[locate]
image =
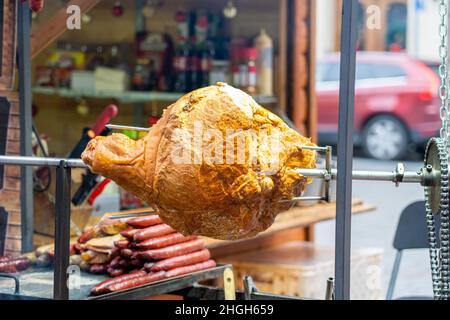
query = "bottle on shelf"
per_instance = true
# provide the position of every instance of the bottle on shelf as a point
(180, 66)
(264, 64)
(181, 56)
(250, 57)
(193, 65)
(205, 51)
(141, 76)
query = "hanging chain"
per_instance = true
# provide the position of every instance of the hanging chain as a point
(443, 72)
(444, 252)
(440, 254)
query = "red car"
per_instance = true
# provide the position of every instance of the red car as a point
(396, 103)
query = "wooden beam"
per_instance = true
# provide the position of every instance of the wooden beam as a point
(50, 30)
(282, 55)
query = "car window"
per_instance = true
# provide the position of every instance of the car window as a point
(329, 72)
(378, 70)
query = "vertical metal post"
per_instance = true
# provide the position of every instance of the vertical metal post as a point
(26, 189)
(62, 231)
(345, 149)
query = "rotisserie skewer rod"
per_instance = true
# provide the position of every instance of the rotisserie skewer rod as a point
(390, 176)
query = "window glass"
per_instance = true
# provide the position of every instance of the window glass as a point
(329, 72)
(378, 70)
(396, 27)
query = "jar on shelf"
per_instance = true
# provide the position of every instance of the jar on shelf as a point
(249, 70)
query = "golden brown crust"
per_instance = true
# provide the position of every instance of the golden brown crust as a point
(230, 195)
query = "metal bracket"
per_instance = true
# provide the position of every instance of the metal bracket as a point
(228, 284)
(399, 173)
(329, 294)
(16, 281)
(252, 293)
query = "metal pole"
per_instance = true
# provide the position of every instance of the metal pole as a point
(62, 232)
(26, 185)
(345, 150)
(40, 161)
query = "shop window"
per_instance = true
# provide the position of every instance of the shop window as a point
(4, 119)
(396, 27)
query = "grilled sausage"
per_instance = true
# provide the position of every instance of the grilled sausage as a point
(135, 282)
(137, 263)
(115, 272)
(152, 232)
(164, 241)
(114, 252)
(144, 222)
(148, 265)
(125, 263)
(8, 267)
(89, 234)
(14, 265)
(127, 253)
(5, 258)
(189, 269)
(181, 261)
(122, 244)
(98, 268)
(129, 233)
(171, 251)
(100, 288)
(114, 262)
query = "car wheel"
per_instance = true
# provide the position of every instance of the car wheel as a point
(385, 138)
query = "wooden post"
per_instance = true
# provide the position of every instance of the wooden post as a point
(302, 91)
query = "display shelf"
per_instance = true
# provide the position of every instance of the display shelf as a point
(123, 97)
(129, 96)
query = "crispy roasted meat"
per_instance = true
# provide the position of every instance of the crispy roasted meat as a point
(216, 164)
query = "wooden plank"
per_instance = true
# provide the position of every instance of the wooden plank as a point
(8, 48)
(14, 217)
(14, 232)
(300, 45)
(12, 183)
(312, 105)
(51, 29)
(14, 121)
(13, 147)
(13, 134)
(264, 241)
(294, 219)
(12, 171)
(10, 199)
(13, 245)
(282, 56)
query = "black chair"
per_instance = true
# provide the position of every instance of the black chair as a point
(411, 234)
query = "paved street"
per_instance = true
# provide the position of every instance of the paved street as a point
(376, 229)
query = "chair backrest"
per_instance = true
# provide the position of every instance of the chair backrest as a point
(412, 229)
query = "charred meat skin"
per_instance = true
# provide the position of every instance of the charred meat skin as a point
(228, 198)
